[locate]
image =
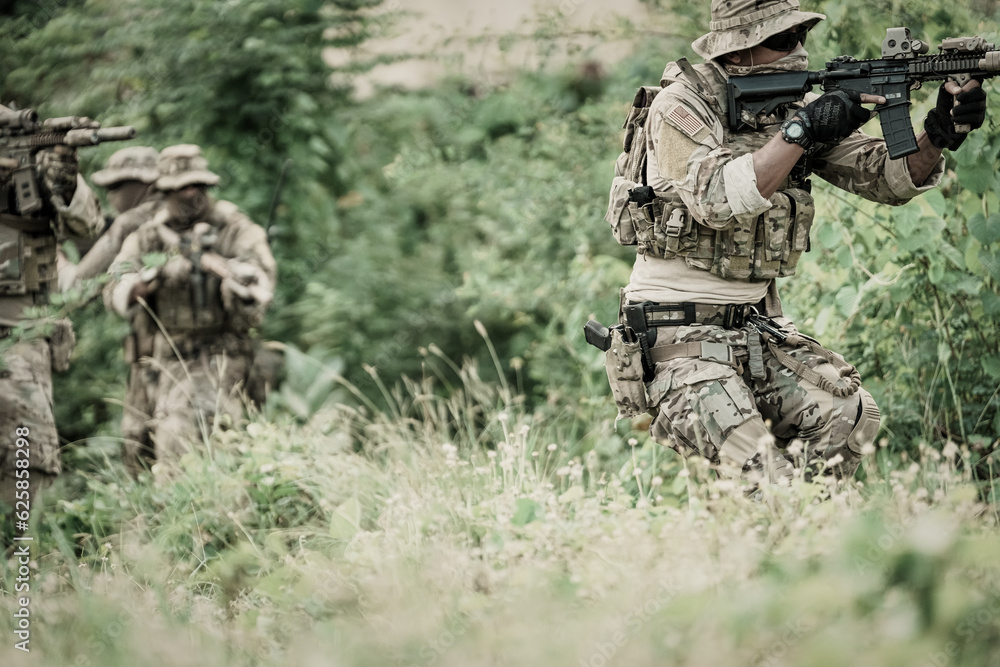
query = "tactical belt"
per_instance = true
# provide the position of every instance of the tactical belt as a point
(764, 328)
(729, 316)
(191, 346)
(708, 350)
(646, 316)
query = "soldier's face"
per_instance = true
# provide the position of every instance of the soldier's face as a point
(759, 55)
(124, 195)
(189, 203)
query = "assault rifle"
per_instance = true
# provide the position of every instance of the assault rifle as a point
(199, 248)
(22, 136)
(902, 68)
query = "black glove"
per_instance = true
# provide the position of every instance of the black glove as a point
(58, 169)
(941, 120)
(834, 116)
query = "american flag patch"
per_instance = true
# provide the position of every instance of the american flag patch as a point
(686, 121)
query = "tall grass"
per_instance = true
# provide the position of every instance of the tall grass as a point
(457, 528)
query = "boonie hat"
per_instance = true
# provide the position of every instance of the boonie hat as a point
(135, 163)
(183, 165)
(741, 24)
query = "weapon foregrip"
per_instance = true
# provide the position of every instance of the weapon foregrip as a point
(898, 130)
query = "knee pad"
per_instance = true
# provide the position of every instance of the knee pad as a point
(867, 423)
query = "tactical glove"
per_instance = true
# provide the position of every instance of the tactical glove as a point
(58, 169)
(246, 294)
(177, 270)
(941, 120)
(834, 116)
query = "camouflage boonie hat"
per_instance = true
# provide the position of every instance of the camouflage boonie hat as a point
(183, 165)
(135, 163)
(741, 24)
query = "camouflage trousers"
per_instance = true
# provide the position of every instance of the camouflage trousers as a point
(173, 405)
(26, 409)
(758, 426)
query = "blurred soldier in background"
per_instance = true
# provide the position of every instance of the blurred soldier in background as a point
(28, 243)
(129, 176)
(192, 316)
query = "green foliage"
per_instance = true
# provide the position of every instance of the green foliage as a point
(87, 398)
(465, 526)
(393, 507)
(483, 207)
(410, 215)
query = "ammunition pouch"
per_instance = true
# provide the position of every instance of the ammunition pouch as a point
(768, 247)
(27, 256)
(62, 341)
(191, 307)
(619, 214)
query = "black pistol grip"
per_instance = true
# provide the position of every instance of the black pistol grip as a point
(597, 335)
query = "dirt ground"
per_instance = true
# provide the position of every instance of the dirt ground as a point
(460, 36)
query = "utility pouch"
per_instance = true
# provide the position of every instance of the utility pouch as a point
(735, 249)
(623, 362)
(619, 215)
(62, 340)
(11, 261)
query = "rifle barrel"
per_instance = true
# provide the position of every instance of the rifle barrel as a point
(123, 133)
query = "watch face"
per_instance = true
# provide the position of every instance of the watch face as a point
(794, 130)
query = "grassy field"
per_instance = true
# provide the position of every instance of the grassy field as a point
(465, 531)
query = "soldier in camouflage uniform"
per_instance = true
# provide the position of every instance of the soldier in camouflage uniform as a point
(27, 276)
(191, 317)
(718, 215)
(129, 176)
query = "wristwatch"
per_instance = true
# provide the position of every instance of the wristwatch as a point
(794, 131)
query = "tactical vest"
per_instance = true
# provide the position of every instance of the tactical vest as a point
(193, 307)
(659, 224)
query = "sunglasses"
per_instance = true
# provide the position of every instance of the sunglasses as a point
(786, 41)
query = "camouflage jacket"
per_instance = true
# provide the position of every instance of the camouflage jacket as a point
(709, 211)
(229, 296)
(98, 259)
(28, 246)
(694, 154)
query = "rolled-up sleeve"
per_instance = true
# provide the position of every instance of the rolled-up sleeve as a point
(717, 188)
(122, 276)
(860, 164)
(744, 198)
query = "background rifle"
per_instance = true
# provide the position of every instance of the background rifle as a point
(22, 136)
(902, 68)
(199, 247)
